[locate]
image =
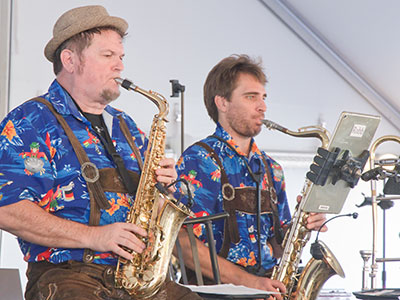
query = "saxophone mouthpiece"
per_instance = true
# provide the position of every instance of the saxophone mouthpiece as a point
(125, 83)
(118, 80)
(272, 125)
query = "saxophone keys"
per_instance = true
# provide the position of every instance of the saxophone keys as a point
(144, 218)
(147, 275)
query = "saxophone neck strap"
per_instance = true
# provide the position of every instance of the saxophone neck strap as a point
(106, 140)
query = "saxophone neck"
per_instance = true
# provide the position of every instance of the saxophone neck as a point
(155, 97)
(309, 131)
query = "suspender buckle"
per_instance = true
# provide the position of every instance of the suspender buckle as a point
(90, 172)
(272, 194)
(228, 192)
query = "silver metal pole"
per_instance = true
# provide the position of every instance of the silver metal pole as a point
(5, 58)
(365, 254)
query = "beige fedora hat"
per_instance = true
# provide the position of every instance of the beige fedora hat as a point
(78, 20)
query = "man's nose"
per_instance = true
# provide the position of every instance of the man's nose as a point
(119, 65)
(262, 105)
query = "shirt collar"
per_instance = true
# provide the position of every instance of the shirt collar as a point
(221, 132)
(64, 105)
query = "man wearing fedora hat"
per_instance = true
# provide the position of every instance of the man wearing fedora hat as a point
(65, 199)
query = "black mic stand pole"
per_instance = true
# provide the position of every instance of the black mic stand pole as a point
(385, 205)
(176, 89)
(384, 249)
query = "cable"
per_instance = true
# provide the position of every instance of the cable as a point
(164, 190)
(316, 247)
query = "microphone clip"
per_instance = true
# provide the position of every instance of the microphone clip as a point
(327, 163)
(349, 168)
(317, 250)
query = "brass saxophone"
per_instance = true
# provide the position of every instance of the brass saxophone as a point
(316, 272)
(144, 274)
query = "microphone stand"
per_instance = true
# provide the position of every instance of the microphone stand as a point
(384, 249)
(176, 89)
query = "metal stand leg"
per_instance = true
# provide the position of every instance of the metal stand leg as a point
(365, 254)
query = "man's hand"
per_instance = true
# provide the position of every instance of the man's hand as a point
(166, 174)
(264, 283)
(315, 220)
(114, 236)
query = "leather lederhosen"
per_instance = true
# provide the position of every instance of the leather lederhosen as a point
(98, 181)
(243, 200)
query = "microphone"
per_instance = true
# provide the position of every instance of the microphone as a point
(176, 87)
(372, 174)
(316, 247)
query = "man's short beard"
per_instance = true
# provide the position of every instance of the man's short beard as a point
(242, 127)
(109, 96)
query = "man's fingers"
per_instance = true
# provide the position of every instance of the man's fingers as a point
(315, 221)
(167, 163)
(131, 241)
(123, 253)
(166, 174)
(135, 229)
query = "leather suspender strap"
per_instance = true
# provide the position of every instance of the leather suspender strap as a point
(90, 173)
(224, 177)
(128, 136)
(278, 230)
(231, 231)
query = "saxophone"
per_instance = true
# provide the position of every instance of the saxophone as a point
(316, 272)
(145, 273)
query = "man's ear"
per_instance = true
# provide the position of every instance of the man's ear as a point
(221, 103)
(68, 60)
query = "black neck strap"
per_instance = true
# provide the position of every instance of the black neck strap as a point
(106, 140)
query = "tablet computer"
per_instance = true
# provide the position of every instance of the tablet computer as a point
(353, 132)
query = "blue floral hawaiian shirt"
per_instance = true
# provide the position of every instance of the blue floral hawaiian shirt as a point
(38, 163)
(204, 178)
